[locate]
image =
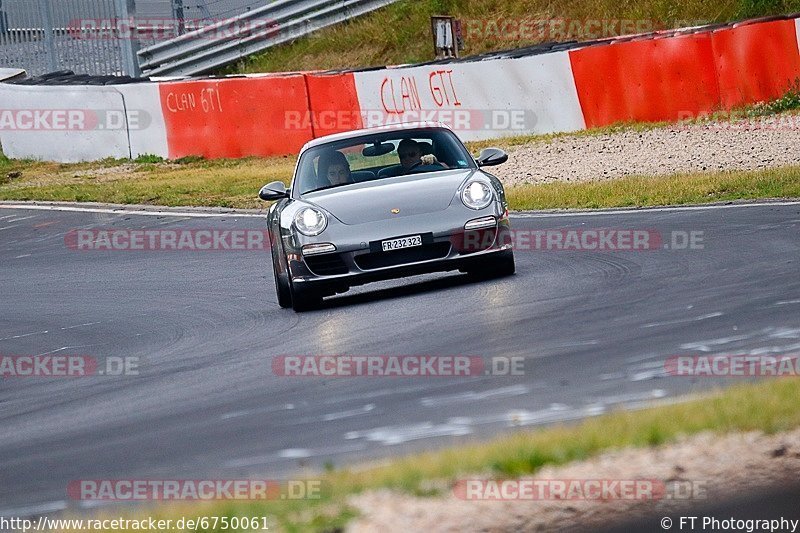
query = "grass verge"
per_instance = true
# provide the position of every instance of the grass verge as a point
(234, 183)
(638, 191)
(229, 183)
(366, 41)
(190, 182)
(769, 407)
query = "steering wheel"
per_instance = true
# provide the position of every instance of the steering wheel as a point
(422, 163)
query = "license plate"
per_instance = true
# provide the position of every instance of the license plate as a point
(403, 242)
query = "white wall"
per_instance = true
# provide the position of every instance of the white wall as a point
(147, 130)
(62, 123)
(480, 100)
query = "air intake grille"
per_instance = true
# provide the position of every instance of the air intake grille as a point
(326, 264)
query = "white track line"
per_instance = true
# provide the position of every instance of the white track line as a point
(522, 214)
(116, 211)
(647, 210)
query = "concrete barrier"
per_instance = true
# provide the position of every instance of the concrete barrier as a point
(234, 117)
(147, 130)
(63, 123)
(666, 75)
(481, 99)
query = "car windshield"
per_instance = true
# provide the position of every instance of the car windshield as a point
(380, 156)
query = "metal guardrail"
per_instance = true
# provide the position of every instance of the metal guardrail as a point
(226, 42)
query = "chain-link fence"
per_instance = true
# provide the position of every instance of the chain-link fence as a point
(99, 37)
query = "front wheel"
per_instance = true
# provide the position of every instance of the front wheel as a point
(497, 265)
(282, 287)
(284, 291)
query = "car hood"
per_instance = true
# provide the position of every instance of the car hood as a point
(416, 194)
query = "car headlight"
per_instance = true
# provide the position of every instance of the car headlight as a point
(477, 195)
(310, 221)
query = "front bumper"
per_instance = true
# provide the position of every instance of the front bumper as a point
(451, 249)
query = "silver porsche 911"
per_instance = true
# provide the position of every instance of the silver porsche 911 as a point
(384, 203)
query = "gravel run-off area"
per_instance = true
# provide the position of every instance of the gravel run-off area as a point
(750, 144)
(717, 468)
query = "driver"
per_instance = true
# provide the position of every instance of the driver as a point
(410, 153)
(334, 168)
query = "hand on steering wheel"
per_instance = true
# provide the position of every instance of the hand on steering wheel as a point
(426, 160)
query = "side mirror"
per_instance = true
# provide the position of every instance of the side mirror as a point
(274, 191)
(491, 156)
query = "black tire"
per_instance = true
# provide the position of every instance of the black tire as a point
(284, 291)
(496, 266)
(304, 299)
(282, 287)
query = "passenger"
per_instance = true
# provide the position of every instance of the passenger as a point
(334, 168)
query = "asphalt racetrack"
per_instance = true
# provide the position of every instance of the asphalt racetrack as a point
(595, 328)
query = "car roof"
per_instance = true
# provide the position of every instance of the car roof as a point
(403, 126)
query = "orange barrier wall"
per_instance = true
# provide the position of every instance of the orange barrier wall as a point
(672, 78)
(666, 77)
(646, 80)
(236, 117)
(756, 62)
(333, 102)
